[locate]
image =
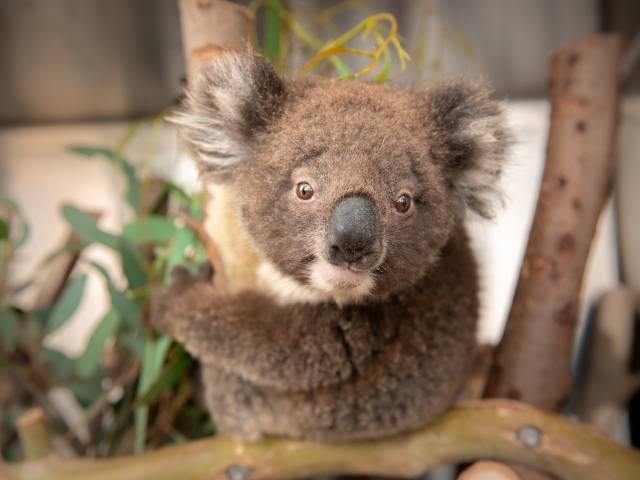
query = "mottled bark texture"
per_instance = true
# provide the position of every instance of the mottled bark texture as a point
(533, 359)
(499, 429)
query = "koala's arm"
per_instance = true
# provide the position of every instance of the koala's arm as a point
(250, 335)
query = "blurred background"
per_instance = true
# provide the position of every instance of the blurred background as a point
(82, 72)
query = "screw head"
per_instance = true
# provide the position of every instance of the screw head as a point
(529, 436)
(237, 472)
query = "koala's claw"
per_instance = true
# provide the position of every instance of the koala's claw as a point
(172, 305)
(205, 272)
(181, 275)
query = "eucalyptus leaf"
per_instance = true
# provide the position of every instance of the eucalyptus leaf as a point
(87, 228)
(89, 361)
(87, 390)
(4, 230)
(126, 307)
(59, 364)
(155, 352)
(25, 230)
(166, 379)
(33, 329)
(133, 184)
(67, 304)
(132, 265)
(9, 326)
(184, 241)
(150, 229)
(133, 343)
(272, 32)
(24, 235)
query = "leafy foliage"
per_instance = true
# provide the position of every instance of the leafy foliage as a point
(131, 384)
(383, 45)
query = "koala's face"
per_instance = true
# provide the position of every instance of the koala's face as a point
(348, 190)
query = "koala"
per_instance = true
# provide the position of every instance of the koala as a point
(341, 207)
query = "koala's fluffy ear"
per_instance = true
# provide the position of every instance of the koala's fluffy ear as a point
(469, 138)
(237, 95)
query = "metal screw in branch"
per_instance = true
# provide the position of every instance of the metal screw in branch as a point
(529, 436)
(237, 472)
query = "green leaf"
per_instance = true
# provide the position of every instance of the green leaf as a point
(24, 235)
(166, 379)
(87, 228)
(67, 303)
(184, 240)
(150, 229)
(127, 308)
(87, 390)
(155, 352)
(132, 265)
(133, 184)
(25, 230)
(4, 230)
(87, 364)
(272, 27)
(58, 363)
(9, 325)
(33, 329)
(133, 343)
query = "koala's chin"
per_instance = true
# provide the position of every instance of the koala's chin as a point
(326, 282)
(338, 209)
(343, 283)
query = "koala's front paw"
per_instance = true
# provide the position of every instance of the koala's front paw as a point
(171, 304)
(181, 276)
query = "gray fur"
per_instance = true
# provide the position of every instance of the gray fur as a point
(390, 356)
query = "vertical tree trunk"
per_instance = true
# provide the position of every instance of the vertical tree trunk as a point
(533, 359)
(209, 27)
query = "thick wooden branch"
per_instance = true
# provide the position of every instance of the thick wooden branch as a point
(496, 429)
(533, 359)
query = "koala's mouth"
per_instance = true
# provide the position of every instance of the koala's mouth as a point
(340, 278)
(343, 283)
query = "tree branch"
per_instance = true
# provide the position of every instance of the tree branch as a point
(497, 429)
(533, 359)
(208, 28)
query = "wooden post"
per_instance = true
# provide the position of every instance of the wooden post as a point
(533, 359)
(208, 28)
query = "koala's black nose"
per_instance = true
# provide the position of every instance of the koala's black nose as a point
(353, 230)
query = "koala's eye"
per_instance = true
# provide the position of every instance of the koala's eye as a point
(402, 203)
(304, 191)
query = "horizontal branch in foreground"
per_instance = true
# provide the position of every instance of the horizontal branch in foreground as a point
(498, 429)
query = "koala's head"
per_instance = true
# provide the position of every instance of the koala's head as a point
(349, 190)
